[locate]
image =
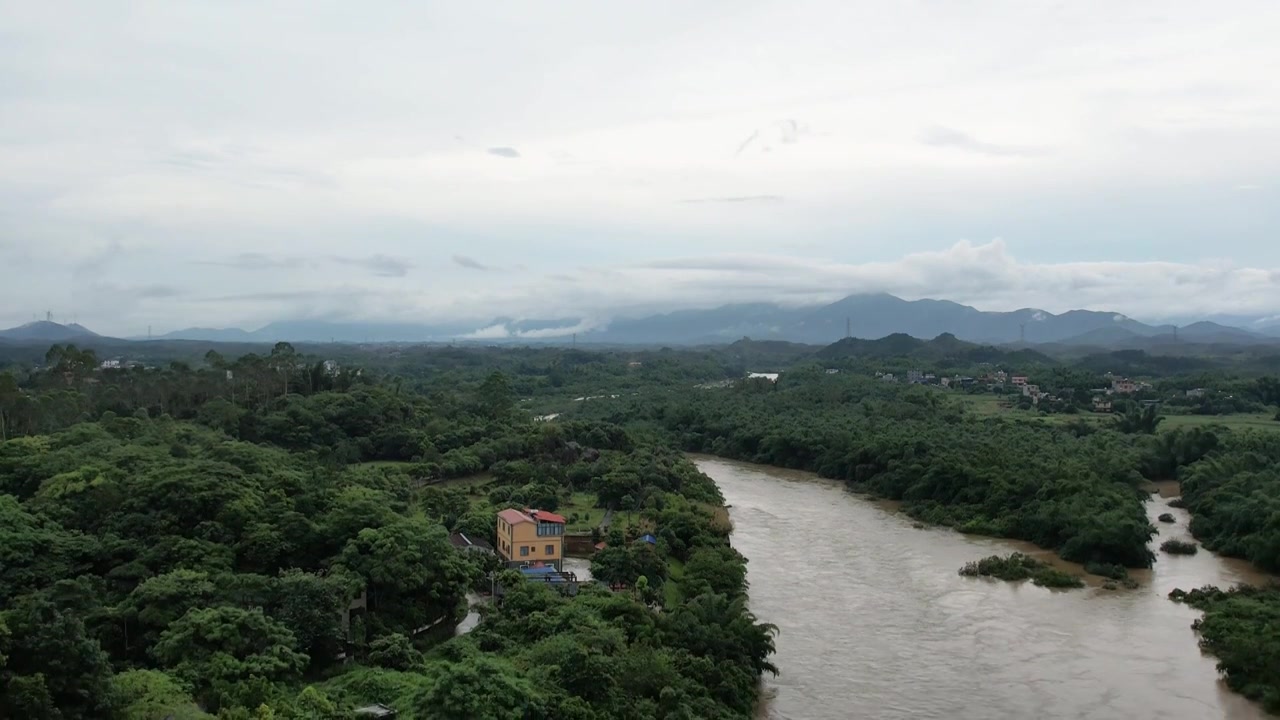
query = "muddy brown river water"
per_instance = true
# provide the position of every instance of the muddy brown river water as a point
(876, 623)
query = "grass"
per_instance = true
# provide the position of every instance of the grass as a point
(1238, 421)
(384, 464)
(991, 405)
(469, 481)
(671, 588)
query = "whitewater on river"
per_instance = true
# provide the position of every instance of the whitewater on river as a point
(874, 621)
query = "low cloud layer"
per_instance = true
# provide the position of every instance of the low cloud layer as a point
(986, 275)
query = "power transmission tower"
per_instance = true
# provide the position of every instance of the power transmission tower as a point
(848, 327)
(1022, 332)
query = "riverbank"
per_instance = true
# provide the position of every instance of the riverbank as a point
(875, 622)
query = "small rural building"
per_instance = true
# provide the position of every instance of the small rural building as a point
(470, 544)
(376, 710)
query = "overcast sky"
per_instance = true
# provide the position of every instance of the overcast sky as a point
(225, 163)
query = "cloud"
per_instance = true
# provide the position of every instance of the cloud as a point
(938, 136)
(145, 292)
(1248, 187)
(506, 152)
(735, 199)
(257, 261)
(380, 265)
(469, 263)
(501, 331)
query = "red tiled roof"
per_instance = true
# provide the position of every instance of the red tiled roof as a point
(514, 517)
(544, 516)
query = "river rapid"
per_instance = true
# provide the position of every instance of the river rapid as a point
(874, 621)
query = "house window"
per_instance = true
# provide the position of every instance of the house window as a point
(551, 549)
(524, 550)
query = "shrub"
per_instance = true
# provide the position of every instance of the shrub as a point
(394, 652)
(1179, 547)
(1107, 570)
(1019, 566)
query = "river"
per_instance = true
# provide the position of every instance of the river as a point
(874, 621)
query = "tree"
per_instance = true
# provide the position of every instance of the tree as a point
(283, 360)
(478, 688)
(1139, 420)
(496, 396)
(414, 575)
(720, 570)
(158, 602)
(10, 396)
(52, 669)
(311, 606)
(394, 652)
(213, 648)
(151, 694)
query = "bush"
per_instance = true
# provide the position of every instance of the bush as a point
(394, 652)
(1179, 547)
(1019, 566)
(1107, 570)
(1166, 518)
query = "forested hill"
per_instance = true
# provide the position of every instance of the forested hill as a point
(184, 543)
(944, 350)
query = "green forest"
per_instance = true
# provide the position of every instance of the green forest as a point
(190, 542)
(265, 533)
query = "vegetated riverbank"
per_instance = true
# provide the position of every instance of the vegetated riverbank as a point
(1078, 495)
(1241, 627)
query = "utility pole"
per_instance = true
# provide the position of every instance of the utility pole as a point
(848, 327)
(1022, 332)
(1175, 333)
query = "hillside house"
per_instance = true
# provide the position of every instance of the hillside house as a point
(1123, 386)
(1196, 393)
(915, 377)
(532, 538)
(1018, 380)
(1101, 404)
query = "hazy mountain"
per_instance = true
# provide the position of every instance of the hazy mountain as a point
(320, 331)
(47, 331)
(864, 316)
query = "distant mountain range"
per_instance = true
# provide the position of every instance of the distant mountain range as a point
(47, 331)
(859, 316)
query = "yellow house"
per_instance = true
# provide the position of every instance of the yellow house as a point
(533, 538)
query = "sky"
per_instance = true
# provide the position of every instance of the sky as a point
(229, 163)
